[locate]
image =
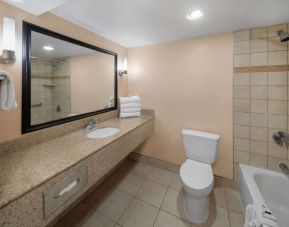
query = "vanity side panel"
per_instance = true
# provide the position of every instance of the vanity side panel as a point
(28, 209)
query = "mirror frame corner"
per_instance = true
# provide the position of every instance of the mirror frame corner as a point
(27, 29)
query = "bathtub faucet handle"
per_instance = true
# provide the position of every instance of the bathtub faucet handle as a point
(283, 167)
(281, 138)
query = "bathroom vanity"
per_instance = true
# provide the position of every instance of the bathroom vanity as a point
(44, 173)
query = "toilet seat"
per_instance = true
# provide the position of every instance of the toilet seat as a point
(197, 176)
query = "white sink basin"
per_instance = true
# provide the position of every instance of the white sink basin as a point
(102, 133)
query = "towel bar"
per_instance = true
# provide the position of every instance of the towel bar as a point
(36, 105)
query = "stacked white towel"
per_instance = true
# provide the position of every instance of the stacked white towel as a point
(130, 106)
(254, 217)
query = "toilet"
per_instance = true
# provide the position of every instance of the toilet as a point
(201, 149)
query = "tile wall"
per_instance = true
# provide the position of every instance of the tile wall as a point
(260, 96)
(50, 86)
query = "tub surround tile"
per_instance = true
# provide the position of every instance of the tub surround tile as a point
(258, 78)
(242, 47)
(258, 133)
(258, 33)
(241, 131)
(242, 35)
(259, 45)
(278, 58)
(272, 30)
(258, 147)
(242, 60)
(242, 157)
(241, 79)
(258, 92)
(267, 101)
(258, 106)
(277, 151)
(242, 105)
(241, 92)
(259, 59)
(274, 44)
(241, 118)
(258, 160)
(277, 78)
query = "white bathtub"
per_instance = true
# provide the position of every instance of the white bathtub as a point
(265, 187)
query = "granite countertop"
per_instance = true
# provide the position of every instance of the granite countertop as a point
(24, 170)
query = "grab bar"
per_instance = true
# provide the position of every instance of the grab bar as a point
(36, 105)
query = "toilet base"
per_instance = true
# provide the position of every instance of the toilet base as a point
(196, 209)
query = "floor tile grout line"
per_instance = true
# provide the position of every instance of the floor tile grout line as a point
(162, 203)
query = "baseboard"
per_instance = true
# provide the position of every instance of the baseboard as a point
(155, 162)
(219, 181)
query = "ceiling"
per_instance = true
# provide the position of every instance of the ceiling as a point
(36, 7)
(134, 23)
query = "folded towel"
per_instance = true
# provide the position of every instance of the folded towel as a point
(131, 99)
(255, 217)
(129, 105)
(250, 216)
(134, 114)
(7, 92)
(129, 110)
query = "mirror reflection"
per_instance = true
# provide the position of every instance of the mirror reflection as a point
(68, 79)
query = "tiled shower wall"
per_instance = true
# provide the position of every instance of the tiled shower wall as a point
(50, 86)
(260, 96)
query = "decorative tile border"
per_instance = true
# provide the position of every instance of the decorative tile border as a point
(269, 68)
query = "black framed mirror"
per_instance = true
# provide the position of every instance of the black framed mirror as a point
(64, 79)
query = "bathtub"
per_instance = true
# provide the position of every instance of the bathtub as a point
(267, 188)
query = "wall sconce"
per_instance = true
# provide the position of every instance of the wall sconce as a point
(8, 45)
(123, 71)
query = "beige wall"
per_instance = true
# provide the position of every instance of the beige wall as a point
(189, 85)
(10, 121)
(92, 82)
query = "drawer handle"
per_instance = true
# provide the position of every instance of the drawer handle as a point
(67, 189)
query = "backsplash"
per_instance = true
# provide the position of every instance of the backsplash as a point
(260, 96)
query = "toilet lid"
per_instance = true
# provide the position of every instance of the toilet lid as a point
(196, 175)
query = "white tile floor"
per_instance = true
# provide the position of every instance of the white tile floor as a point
(140, 195)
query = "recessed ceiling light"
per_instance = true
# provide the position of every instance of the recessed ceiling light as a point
(196, 14)
(48, 48)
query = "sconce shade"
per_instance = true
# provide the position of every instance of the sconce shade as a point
(8, 34)
(124, 67)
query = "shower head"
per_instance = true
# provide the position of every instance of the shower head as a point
(284, 37)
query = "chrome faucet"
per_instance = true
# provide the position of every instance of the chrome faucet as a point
(91, 125)
(283, 167)
(281, 138)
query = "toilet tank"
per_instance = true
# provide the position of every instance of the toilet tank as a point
(201, 146)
